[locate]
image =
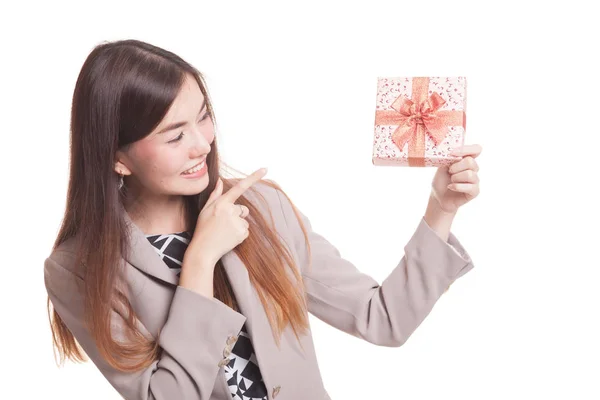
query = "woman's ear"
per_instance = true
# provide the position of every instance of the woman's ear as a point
(121, 169)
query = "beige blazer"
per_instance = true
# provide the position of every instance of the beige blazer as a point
(198, 332)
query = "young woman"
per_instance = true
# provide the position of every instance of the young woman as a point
(179, 284)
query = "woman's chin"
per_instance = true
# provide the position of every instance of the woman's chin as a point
(194, 186)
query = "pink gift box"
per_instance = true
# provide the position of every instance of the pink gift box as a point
(419, 120)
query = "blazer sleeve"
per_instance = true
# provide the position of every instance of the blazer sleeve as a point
(193, 339)
(354, 302)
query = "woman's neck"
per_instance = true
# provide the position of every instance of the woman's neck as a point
(160, 217)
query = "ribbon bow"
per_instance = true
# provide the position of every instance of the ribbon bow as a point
(416, 117)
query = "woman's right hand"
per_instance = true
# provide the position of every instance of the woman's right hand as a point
(221, 225)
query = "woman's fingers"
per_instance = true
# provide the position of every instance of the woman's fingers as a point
(241, 210)
(467, 176)
(472, 150)
(218, 190)
(468, 188)
(467, 162)
(244, 184)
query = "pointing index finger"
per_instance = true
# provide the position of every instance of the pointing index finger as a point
(239, 188)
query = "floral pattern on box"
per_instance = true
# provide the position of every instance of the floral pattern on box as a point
(419, 120)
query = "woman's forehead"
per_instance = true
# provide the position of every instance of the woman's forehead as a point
(185, 108)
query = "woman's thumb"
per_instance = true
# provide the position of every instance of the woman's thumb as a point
(216, 192)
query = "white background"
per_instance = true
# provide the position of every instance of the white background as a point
(293, 85)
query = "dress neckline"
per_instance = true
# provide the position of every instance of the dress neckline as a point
(167, 234)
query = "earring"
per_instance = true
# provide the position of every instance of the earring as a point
(120, 181)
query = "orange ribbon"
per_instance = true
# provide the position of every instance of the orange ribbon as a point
(416, 117)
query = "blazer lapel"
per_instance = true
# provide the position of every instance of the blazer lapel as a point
(144, 257)
(257, 323)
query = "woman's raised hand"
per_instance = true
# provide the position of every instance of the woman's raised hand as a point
(221, 224)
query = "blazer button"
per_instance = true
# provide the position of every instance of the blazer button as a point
(276, 391)
(227, 351)
(224, 362)
(231, 340)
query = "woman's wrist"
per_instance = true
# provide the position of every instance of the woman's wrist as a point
(198, 276)
(438, 220)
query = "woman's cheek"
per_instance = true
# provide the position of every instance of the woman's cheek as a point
(176, 161)
(210, 134)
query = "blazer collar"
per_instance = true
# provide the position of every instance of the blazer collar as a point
(144, 257)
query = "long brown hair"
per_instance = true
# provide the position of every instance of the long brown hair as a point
(123, 91)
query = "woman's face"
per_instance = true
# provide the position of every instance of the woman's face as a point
(154, 165)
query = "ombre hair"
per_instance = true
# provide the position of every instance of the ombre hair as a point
(123, 91)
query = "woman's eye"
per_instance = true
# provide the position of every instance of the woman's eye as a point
(178, 138)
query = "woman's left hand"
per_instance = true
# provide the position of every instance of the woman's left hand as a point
(456, 185)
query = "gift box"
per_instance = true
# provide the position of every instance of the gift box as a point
(419, 120)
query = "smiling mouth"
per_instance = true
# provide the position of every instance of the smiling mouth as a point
(195, 168)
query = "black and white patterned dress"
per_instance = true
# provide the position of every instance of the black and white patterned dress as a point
(242, 373)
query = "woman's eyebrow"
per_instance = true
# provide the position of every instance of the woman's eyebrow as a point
(180, 124)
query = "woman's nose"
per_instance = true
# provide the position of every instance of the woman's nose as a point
(201, 144)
